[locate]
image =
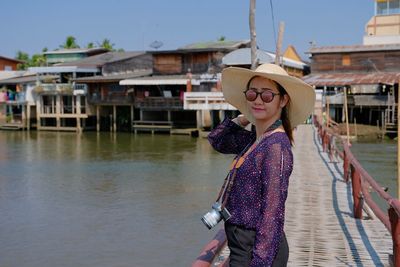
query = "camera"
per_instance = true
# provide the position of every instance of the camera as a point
(215, 215)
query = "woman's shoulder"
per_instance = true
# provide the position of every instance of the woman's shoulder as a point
(275, 139)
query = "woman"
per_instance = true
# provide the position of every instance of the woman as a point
(274, 103)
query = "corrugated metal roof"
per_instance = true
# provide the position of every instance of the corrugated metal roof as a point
(114, 78)
(344, 79)
(102, 59)
(12, 59)
(353, 48)
(206, 47)
(27, 79)
(160, 80)
(76, 50)
(242, 56)
(215, 45)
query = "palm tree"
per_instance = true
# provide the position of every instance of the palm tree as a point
(90, 45)
(107, 44)
(70, 42)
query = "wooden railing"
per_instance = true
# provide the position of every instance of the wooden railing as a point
(362, 183)
(211, 250)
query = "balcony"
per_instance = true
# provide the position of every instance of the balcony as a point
(111, 98)
(206, 101)
(159, 103)
(61, 88)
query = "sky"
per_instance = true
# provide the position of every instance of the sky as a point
(132, 25)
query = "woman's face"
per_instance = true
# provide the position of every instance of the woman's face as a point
(261, 110)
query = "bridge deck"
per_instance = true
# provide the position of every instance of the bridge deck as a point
(319, 225)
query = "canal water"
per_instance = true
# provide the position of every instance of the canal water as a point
(119, 199)
(105, 199)
(379, 159)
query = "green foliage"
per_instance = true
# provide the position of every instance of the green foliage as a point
(221, 38)
(23, 57)
(37, 60)
(70, 43)
(106, 43)
(90, 45)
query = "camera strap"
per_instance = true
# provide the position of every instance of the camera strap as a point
(238, 161)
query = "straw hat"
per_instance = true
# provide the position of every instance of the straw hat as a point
(302, 95)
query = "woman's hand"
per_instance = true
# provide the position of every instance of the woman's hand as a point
(242, 120)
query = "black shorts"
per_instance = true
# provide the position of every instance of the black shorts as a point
(241, 242)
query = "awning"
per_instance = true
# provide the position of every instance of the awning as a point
(347, 79)
(157, 82)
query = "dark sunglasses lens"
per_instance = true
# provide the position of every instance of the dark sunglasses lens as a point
(251, 95)
(267, 96)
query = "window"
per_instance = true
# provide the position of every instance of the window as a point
(381, 7)
(394, 7)
(387, 7)
(346, 61)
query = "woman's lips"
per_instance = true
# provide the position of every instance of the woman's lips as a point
(256, 109)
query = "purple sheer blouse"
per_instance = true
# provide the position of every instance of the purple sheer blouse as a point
(258, 195)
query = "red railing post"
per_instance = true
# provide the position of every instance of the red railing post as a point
(345, 166)
(357, 197)
(330, 148)
(395, 227)
(324, 134)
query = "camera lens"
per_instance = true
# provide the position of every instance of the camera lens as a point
(211, 219)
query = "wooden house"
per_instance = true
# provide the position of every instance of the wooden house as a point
(18, 100)
(192, 68)
(112, 104)
(369, 73)
(9, 64)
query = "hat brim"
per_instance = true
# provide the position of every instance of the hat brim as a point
(302, 95)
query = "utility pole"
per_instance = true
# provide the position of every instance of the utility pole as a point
(253, 42)
(398, 138)
(279, 44)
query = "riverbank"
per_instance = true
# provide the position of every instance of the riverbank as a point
(360, 130)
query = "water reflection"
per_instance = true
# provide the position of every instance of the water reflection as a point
(100, 199)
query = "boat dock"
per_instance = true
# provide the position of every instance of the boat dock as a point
(321, 219)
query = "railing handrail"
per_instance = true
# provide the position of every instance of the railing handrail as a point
(360, 181)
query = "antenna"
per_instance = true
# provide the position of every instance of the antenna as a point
(156, 44)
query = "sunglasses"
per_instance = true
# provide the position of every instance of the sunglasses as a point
(266, 96)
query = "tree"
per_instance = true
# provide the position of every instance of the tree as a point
(23, 57)
(90, 45)
(37, 60)
(107, 44)
(70, 42)
(221, 38)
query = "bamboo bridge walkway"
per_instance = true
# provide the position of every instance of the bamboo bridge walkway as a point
(320, 224)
